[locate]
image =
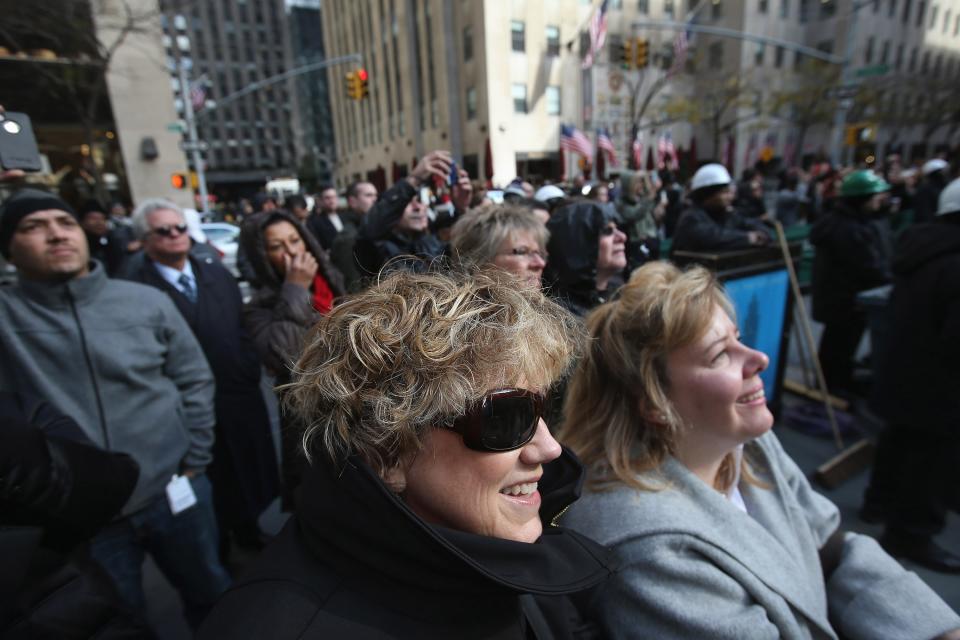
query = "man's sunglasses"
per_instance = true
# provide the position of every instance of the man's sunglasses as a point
(167, 230)
(503, 420)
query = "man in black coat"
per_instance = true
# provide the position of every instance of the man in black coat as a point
(915, 476)
(244, 471)
(325, 223)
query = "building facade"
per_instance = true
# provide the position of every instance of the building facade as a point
(226, 47)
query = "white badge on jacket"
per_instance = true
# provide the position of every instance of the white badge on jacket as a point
(180, 494)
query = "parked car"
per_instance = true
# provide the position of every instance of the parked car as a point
(225, 238)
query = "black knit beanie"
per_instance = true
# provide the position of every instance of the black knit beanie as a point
(21, 204)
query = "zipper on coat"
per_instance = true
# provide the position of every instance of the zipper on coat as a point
(93, 375)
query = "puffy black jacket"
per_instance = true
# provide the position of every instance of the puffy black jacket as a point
(356, 563)
(918, 380)
(851, 257)
(57, 490)
(700, 230)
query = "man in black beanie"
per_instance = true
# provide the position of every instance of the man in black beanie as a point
(119, 359)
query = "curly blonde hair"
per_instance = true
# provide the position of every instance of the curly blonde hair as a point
(413, 352)
(617, 415)
(476, 237)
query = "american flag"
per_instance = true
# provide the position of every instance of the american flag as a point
(198, 93)
(572, 139)
(681, 44)
(667, 151)
(751, 150)
(637, 148)
(604, 143)
(598, 34)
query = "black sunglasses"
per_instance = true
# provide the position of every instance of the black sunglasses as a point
(503, 420)
(167, 230)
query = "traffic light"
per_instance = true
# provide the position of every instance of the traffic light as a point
(640, 53)
(626, 54)
(351, 83)
(363, 89)
(178, 181)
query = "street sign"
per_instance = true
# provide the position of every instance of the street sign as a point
(189, 147)
(176, 127)
(843, 92)
(872, 70)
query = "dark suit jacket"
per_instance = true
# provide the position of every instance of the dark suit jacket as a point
(322, 229)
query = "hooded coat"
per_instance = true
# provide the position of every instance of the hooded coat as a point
(279, 314)
(356, 562)
(571, 273)
(919, 379)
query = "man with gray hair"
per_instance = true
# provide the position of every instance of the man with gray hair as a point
(117, 358)
(244, 470)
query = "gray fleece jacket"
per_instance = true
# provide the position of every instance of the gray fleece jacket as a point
(118, 358)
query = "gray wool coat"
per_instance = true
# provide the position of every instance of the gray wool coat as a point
(695, 566)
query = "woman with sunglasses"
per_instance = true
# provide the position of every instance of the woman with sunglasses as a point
(430, 504)
(718, 533)
(506, 237)
(296, 284)
(588, 255)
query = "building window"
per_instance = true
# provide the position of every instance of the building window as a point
(956, 25)
(925, 64)
(715, 54)
(763, 5)
(804, 10)
(716, 9)
(868, 55)
(553, 41)
(906, 11)
(933, 16)
(553, 101)
(885, 52)
(946, 21)
(899, 61)
(471, 103)
(825, 46)
(668, 9)
(828, 8)
(758, 55)
(892, 8)
(467, 43)
(643, 6)
(517, 40)
(519, 92)
(921, 8)
(614, 46)
(798, 60)
(784, 8)
(912, 65)
(778, 57)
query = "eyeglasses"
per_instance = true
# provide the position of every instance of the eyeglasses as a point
(525, 252)
(167, 230)
(503, 420)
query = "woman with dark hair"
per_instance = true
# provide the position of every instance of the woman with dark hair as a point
(718, 533)
(297, 284)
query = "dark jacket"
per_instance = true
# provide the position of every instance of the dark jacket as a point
(379, 242)
(56, 490)
(279, 315)
(342, 249)
(108, 249)
(927, 197)
(850, 258)
(322, 229)
(244, 469)
(919, 380)
(700, 230)
(356, 563)
(571, 272)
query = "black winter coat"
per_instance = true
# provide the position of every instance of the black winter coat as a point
(918, 380)
(379, 242)
(356, 563)
(56, 491)
(700, 230)
(851, 257)
(571, 272)
(244, 470)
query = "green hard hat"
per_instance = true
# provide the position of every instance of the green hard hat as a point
(863, 183)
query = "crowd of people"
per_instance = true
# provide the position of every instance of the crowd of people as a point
(453, 373)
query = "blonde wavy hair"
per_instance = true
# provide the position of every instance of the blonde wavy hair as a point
(617, 414)
(413, 352)
(476, 237)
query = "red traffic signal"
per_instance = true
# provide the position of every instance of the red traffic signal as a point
(362, 74)
(178, 181)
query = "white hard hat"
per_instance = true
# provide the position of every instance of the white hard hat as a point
(949, 199)
(710, 175)
(548, 192)
(937, 164)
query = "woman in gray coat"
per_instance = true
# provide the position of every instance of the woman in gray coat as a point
(718, 533)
